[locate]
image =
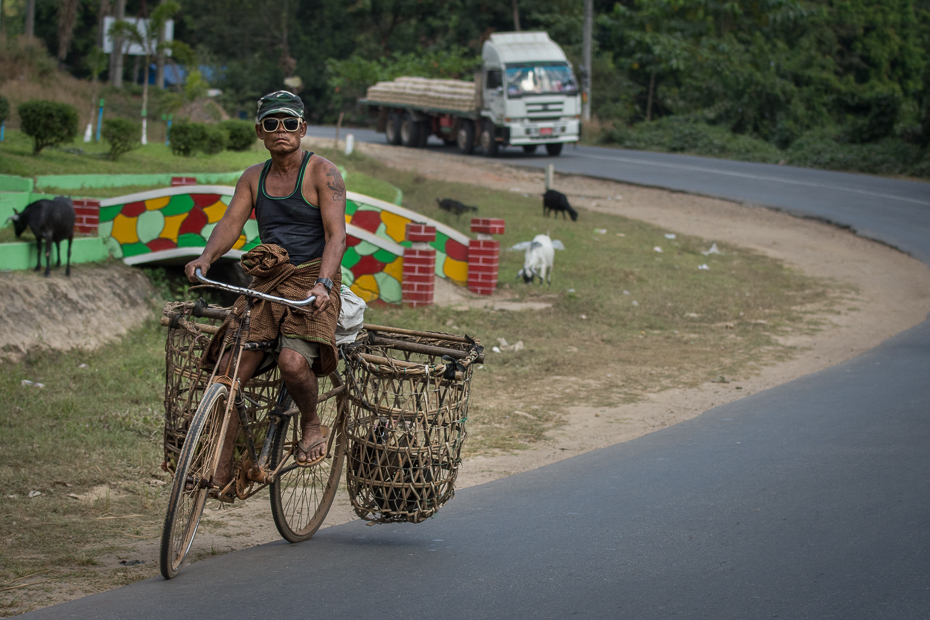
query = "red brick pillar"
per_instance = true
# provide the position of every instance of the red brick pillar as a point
(484, 255)
(87, 217)
(419, 276)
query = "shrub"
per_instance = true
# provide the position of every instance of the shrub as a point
(241, 134)
(679, 134)
(48, 123)
(214, 141)
(187, 138)
(820, 149)
(123, 136)
(4, 109)
(872, 116)
(190, 138)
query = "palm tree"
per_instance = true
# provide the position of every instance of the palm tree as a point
(148, 37)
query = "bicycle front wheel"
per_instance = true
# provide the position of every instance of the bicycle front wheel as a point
(196, 468)
(301, 496)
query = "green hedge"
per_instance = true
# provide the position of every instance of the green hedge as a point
(215, 140)
(188, 139)
(241, 134)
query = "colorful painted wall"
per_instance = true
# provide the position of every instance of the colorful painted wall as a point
(175, 223)
(389, 222)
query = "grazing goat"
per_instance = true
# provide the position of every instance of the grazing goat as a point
(454, 206)
(52, 220)
(537, 258)
(557, 202)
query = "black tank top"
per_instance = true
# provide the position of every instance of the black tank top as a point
(290, 221)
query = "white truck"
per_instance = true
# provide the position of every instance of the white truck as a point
(525, 95)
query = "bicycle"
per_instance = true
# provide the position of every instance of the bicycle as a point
(401, 440)
(265, 444)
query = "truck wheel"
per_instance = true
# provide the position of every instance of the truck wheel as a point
(554, 149)
(409, 132)
(424, 129)
(488, 143)
(392, 129)
(529, 149)
(465, 137)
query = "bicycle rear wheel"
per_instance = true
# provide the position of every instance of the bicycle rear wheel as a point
(301, 496)
(196, 468)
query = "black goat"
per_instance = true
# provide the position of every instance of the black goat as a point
(52, 220)
(454, 206)
(557, 202)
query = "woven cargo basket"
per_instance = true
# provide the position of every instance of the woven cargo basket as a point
(187, 373)
(408, 403)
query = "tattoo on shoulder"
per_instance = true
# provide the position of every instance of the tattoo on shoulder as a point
(335, 184)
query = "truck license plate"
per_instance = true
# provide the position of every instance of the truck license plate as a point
(545, 131)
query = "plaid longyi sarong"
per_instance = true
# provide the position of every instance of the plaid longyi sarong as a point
(272, 273)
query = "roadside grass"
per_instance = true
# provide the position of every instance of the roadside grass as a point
(79, 465)
(94, 431)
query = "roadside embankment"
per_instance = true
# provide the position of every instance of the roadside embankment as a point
(97, 304)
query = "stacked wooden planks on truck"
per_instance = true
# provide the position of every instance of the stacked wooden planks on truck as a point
(452, 95)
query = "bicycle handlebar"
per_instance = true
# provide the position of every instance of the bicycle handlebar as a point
(247, 291)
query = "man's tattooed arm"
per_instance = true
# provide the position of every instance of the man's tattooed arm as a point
(335, 185)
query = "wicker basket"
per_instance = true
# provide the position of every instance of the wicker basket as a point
(187, 373)
(408, 403)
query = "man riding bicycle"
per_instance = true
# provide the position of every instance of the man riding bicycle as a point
(299, 201)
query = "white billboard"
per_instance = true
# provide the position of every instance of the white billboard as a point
(134, 49)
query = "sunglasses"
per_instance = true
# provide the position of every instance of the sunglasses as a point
(290, 124)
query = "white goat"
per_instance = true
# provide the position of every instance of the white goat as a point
(537, 258)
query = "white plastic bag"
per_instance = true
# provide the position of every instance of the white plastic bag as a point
(351, 316)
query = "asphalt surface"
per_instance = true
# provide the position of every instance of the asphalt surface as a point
(894, 212)
(809, 500)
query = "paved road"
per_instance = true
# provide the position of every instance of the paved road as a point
(875, 207)
(810, 500)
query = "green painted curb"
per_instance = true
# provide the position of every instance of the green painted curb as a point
(18, 201)
(22, 255)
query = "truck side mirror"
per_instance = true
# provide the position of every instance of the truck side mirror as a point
(494, 79)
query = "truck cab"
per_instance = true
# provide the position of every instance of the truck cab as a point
(529, 94)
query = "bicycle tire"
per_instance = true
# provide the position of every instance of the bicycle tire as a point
(185, 506)
(302, 496)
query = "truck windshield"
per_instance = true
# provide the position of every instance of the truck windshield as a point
(540, 79)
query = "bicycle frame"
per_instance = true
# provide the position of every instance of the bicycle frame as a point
(236, 400)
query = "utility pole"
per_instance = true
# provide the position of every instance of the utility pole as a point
(586, 43)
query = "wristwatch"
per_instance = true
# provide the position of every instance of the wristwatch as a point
(327, 284)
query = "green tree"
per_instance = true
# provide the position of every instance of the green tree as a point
(48, 123)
